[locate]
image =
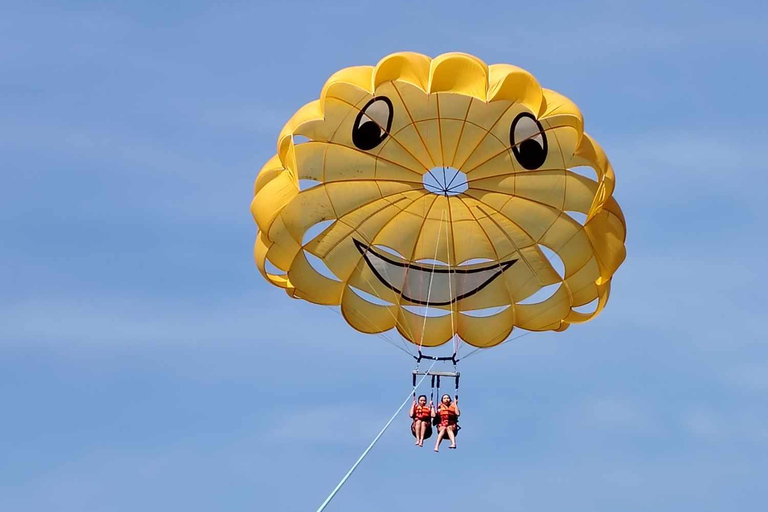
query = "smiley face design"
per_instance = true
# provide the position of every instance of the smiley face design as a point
(440, 197)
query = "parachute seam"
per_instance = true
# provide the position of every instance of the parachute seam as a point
(413, 123)
(461, 132)
(375, 156)
(487, 132)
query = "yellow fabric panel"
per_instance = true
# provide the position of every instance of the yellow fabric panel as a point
(311, 112)
(409, 101)
(453, 106)
(486, 331)
(284, 245)
(602, 292)
(607, 232)
(408, 67)
(489, 148)
(591, 154)
(539, 266)
(363, 278)
(451, 131)
(344, 256)
(470, 241)
(376, 136)
(432, 136)
(307, 209)
(495, 294)
(579, 193)
(487, 115)
(555, 104)
(402, 234)
(567, 238)
(532, 217)
(472, 136)
(271, 169)
(272, 198)
(334, 112)
(353, 222)
(434, 241)
(583, 283)
(310, 285)
(365, 316)
(515, 84)
(415, 107)
(523, 280)
(260, 249)
(461, 73)
(310, 160)
(544, 315)
(426, 331)
(348, 84)
(347, 196)
(408, 154)
(328, 162)
(564, 138)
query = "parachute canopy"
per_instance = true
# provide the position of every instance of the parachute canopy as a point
(440, 197)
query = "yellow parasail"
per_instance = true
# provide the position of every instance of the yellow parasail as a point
(433, 196)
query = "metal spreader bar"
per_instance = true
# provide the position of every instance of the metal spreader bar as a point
(439, 374)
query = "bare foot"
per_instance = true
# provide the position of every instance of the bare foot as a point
(452, 446)
(436, 449)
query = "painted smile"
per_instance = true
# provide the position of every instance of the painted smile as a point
(431, 285)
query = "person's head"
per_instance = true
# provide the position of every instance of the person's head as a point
(422, 399)
(446, 399)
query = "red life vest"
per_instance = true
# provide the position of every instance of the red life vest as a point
(448, 415)
(422, 413)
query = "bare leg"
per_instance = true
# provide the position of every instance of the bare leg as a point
(440, 437)
(451, 436)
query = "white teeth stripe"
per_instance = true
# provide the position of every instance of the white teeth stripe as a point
(447, 284)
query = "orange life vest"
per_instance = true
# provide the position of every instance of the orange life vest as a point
(422, 413)
(448, 415)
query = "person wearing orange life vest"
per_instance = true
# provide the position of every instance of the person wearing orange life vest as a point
(449, 417)
(421, 414)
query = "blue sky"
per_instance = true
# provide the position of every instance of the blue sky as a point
(144, 363)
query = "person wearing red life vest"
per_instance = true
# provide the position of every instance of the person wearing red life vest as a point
(449, 413)
(422, 415)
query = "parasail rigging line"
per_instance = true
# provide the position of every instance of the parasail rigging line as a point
(431, 276)
(379, 334)
(370, 446)
(478, 349)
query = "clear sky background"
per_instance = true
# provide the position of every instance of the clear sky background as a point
(145, 364)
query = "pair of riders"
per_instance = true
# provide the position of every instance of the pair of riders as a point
(445, 416)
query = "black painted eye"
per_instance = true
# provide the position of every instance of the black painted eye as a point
(528, 140)
(372, 123)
